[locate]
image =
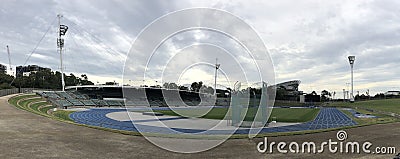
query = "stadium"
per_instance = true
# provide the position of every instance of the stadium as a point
(96, 103)
(173, 101)
(242, 110)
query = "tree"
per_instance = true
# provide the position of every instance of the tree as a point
(380, 96)
(183, 88)
(84, 76)
(173, 86)
(325, 95)
(196, 86)
(165, 85)
(110, 83)
(5, 81)
(48, 80)
(210, 90)
(170, 85)
(5, 86)
(193, 86)
(199, 86)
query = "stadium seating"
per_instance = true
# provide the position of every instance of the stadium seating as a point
(100, 103)
(76, 102)
(114, 103)
(64, 95)
(154, 97)
(51, 95)
(88, 102)
(62, 103)
(70, 98)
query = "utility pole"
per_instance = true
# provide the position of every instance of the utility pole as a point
(60, 44)
(216, 73)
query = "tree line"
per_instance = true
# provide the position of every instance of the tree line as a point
(45, 79)
(194, 87)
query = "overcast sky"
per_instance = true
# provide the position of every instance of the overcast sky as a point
(307, 40)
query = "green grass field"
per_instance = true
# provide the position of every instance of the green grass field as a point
(278, 114)
(40, 108)
(382, 118)
(386, 105)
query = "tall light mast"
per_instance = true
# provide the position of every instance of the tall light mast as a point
(60, 44)
(351, 61)
(9, 61)
(215, 77)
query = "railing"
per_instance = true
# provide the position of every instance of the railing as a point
(4, 92)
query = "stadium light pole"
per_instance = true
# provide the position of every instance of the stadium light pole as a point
(351, 61)
(215, 77)
(60, 44)
(347, 90)
(344, 95)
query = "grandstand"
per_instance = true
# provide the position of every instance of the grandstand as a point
(72, 98)
(112, 96)
(291, 90)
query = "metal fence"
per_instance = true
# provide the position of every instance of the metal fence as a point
(4, 92)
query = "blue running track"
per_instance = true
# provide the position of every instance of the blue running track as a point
(326, 118)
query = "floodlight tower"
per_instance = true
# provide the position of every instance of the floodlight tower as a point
(60, 44)
(9, 61)
(215, 77)
(351, 61)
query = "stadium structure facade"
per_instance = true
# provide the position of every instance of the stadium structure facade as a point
(392, 93)
(290, 90)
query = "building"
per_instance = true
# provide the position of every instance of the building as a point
(392, 93)
(289, 90)
(27, 70)
(3, 69)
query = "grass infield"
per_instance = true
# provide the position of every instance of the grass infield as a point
(278, 114)
(386, 105)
